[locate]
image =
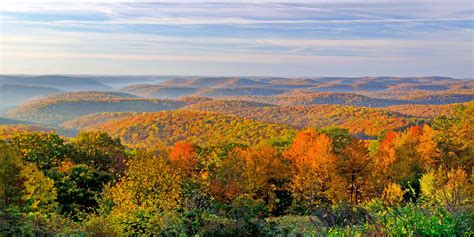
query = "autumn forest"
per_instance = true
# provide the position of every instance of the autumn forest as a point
(240, 157)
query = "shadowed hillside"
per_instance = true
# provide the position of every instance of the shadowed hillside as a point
(57, 109)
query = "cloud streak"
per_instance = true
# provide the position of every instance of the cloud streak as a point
(240, 32)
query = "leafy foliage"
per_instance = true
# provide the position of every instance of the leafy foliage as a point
(209, 174)
(362, 120)
(196, 127)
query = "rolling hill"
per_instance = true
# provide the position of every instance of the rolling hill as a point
(311, 98)
(214, 82)
(91, 120)
(160, 91)
(174, 92)
(359, 120)
(239, 91)
(9, 130)
(168, 127)
(423, 111)
(60, 108)
(5, 121)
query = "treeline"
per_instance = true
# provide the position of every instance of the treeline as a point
(359, 120)
(322, 182)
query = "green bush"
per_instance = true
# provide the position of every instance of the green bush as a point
(292, 226)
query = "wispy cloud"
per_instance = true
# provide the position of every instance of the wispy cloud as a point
(238, 32)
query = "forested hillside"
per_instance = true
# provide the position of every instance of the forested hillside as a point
(235, 156)
(358, 120)
(194, 173)
(57, 109)
(310, 98)
(159, 91)
(240, 118)
(168, 127)
(90, 120)
(423, 111)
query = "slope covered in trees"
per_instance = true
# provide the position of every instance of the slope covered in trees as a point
(218, 82)
(173, 92)
(239, 91)
(422, 111)
(358, 120)
(90, 120)
(374, 100)
(308, 98)
(160, 91)
(9, 130)
(168, 127)
(412, 182)
(57, 109)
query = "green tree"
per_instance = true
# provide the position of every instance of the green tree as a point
(99, 150)
(454, 137)
(10, 167)
(79, 187)
(45, 150)
(340, 138)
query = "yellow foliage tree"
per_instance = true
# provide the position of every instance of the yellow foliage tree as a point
(146, 195)
(39, 193)
(393, 194)
(427, 146)
(452, 188)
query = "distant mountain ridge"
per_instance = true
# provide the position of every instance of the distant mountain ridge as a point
(242, 86)
(59, 108)
(66, 83)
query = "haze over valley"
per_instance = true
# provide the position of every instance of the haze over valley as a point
(54, 100)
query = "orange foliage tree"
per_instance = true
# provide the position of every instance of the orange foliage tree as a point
(355, 167)
(254, 171)
(314, 169)
(183, 156)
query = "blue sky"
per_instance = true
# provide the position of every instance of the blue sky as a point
(253, 38)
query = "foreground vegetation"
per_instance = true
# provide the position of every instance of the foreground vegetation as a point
(317, 182)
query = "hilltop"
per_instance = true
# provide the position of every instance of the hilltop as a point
(60, 108)
(214, 82)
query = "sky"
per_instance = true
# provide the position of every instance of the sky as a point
(238, 38)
